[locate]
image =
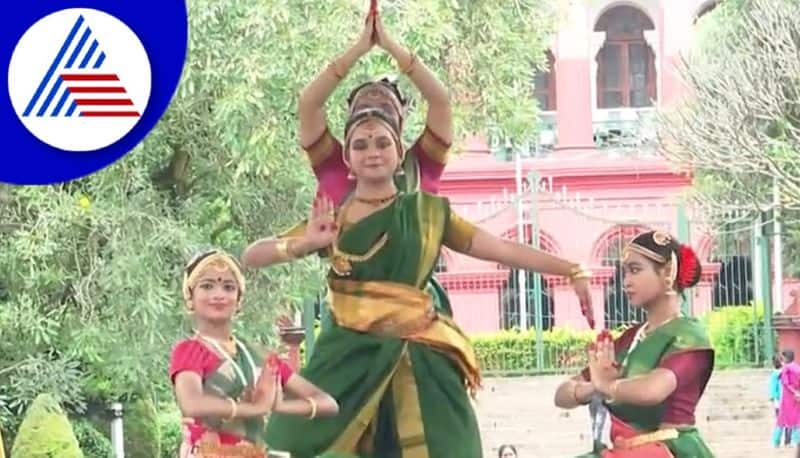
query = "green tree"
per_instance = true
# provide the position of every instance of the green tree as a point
(90, 270)
(142, 435)
(738, 131)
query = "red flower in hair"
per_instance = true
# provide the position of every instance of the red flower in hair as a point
(688, 267)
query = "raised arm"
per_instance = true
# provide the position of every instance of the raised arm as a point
(311, 105)
(466, 238)
(440, 112)
(304, 239)
(516, 255)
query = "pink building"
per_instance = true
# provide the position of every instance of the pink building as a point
(601, 181)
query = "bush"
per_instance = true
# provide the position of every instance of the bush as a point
(169, 424)
(93, 442)
(509, 352)
(737, 334)
(45, 432)
(142, 437)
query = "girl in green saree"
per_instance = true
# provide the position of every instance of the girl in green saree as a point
(398, 365)
(653, 375)
(226, 387)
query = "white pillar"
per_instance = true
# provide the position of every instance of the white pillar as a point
(777, 249)
(117, 440)
(521, 274)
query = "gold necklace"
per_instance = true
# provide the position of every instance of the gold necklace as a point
(646, 329)
(376, 202)
(228, 345)
(341, 262)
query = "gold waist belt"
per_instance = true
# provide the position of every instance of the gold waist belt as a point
(636, 441)
(399, 310)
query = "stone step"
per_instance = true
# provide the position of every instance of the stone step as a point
(734, 417)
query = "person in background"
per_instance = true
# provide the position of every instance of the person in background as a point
(507, 451)
(775, 399)
(789, 408)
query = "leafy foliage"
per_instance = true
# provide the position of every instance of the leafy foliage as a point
(93, 443)
(738, 131)
(45, 432)
(142, 434)
(90, 270)
(736, 333)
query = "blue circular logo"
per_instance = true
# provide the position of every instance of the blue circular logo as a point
(86, 83)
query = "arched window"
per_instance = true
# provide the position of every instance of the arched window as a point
(544, 85)
(732, 250)
(626, 72)
(510, 292)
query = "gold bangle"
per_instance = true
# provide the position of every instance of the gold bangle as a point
(313, 403)
(612, 391)
(335, 67)
(283, 249)
(578, 271)
(234, 409)
(411, 64)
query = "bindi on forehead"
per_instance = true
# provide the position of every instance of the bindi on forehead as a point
(370, 129)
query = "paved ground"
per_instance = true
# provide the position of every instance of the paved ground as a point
(734, 417)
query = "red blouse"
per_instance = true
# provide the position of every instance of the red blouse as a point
(327, 161)
(194, 356)
(692, 369)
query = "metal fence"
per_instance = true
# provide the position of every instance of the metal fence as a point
(526, 323)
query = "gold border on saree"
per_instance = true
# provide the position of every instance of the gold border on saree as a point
(212, 450)
(647, 438)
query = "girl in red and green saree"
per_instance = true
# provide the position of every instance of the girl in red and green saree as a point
(424, 164)
(226, 387)
(399, 366)
(653, 375)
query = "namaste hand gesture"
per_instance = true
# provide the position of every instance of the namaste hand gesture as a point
(382, 37)
(268, 386)
(321, 230)
(603, 367)
(367, 39)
